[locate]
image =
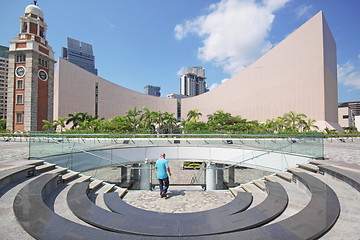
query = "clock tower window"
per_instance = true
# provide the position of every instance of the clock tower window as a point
(21, 58)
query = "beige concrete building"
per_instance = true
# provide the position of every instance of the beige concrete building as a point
(299, 74)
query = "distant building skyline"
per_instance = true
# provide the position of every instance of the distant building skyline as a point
(81, 54)
(152, 90)
(192, 83)
(4, 72)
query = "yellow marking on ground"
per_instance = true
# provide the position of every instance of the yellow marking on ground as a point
(269, 179)
(233, 192)
(245, 188)
(110, 187)
(120, 194)
(85, 179)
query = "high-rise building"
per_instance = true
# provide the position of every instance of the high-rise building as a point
(192, 83)
(152, 90)
(4, 72)
(31, 74)
(80, 54)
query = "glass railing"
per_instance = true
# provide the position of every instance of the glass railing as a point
(127, 160)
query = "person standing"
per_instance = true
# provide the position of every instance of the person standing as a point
(162, 167)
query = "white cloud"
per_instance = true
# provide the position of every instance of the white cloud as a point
(214, 85)
(181, 71)
(234, 32)
(348, 75)
(304, 11)
(359, 56)
(224, 80)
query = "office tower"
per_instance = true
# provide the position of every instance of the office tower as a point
(192, 83)
(152, 90)
(31, 75)
(80, 54)
(4, 71)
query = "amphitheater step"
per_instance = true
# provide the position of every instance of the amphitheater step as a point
(246, 187)
(9, 226)
(59, 170)
(84, 179)
(45, 167)
(284, 175)
(15, 173)
(270, 178)
(260, 184)
(95, 184)
(309, 167)
(70, 176)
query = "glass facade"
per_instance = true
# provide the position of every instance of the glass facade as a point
(80, 54)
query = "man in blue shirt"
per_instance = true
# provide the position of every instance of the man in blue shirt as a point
(162, 168)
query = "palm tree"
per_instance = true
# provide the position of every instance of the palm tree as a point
(48, 126)
(61, 122)
(193, 115)
(132, 117)
(170, 121)
(310, 124)
(75, 118)
(293, 121)
(146, 118)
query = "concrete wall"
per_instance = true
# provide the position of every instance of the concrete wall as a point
(74, 91)
(299, 74)
(342, 112)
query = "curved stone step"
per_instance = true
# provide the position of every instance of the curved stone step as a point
(269, 209)
(240, 203)
(43, 223)
(14, 173)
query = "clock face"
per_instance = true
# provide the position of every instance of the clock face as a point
(20, 71)
(43, 75)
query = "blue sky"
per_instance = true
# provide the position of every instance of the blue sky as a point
(141, 42)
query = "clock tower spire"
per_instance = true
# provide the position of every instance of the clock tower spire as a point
(31, 74)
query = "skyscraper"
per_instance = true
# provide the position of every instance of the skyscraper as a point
(4, 71)
(31, 74)
(81, 54)
(192, 83)
(152, 90)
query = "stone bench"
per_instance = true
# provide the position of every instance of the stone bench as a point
(12, 175)
(349, 174)
(240, 203)
(83, 208)
(42, 223)
(319, 215)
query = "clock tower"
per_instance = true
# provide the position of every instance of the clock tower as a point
(31, 74)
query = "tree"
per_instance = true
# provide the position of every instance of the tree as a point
(169, 122)
(193, 115)
(48, 126)
(132, 117)
(294, 122)
(61, 122)
(75, 118)
(2, 124)
(310, 124)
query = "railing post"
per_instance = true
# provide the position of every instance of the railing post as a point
(210, 176)
(220, 176)
(231, 176)
(145, 176)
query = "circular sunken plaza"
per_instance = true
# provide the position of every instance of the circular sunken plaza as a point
(317, 200)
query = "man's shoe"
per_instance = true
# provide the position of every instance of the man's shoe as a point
(161, 195)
